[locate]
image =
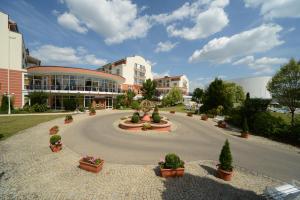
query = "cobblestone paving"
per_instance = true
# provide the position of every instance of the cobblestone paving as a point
(29, 170)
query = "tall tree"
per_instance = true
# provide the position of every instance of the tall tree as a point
(285, 86)
(129, 97)
(197, 95)
(173, 97)
(234, 92)
(148, 89)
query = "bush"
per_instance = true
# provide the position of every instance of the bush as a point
(135, 118)
(55, 139)
(245, 126)
(4, 103)
(225, 157)
(172, 161)
(146, 126)
(135, 105)
(92, 110)
(136, 113)
(68, 117)
(38, 98)
(39, 108)
(156, 118)
(81, 108)
(70, 104)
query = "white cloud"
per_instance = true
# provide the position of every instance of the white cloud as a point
(264, 65)
(165, 46)
(276, 8)
(162, 74)
(151, 63)
(69, 21)
(55, 12)
(55, 55)
(115, 20)
(224, 49)
(208, 17)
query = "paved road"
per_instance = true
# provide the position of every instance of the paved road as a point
(193, 140)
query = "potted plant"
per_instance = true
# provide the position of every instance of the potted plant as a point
(204, 117)
(135, 118)
(91, 164)
(146, 126)
(92, 111)
(55, 143)
(245, 131)
(53, 130)
(172, 166)
(225, 169)
(172, 111)
(222, 124)
(156, 118)
(190, 114)
(68, 119)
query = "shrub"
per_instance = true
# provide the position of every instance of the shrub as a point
(135, 118)
(172, 161)
(68, 117)
(136, 113)
(154, 113)
(135, 105)
(212, 112)
(55, 139)
(70, 104)
(146, 126)
(245, 126)
(156, 118)
(4, 103)
(39, 108)
(38, 98)
(81, 108)
(225, 157)
(92, 110)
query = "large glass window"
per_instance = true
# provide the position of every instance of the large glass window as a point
(88, 84)
(58, 82)
(73, 82)
(66, 82)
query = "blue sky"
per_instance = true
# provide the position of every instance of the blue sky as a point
(202, 39)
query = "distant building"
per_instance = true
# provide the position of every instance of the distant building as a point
(166, 83)
(14, 58)
(134, 69)
(256, 86)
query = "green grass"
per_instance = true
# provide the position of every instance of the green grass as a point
(10, 125)
(286, 117)
(177, 108)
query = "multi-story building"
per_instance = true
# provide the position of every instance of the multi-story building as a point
(14, 58)
(134, 69)
(166, 83)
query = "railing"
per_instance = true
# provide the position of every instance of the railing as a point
(73, 88)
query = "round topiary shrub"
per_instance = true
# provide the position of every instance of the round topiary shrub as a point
(135, 118)
(55, 139)
(156, 118)
(68, 117)
(172, 161)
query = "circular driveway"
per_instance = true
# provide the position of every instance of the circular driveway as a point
(192, 139)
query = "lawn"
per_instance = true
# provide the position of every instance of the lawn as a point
(286, 117)
(10, 125)
(177, 108)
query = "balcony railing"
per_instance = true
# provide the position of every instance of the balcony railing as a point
(72, 88)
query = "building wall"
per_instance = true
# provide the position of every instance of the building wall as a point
(16, 84)
(256, 86)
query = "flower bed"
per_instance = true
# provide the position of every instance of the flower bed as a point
(91, 164)
(55, 143)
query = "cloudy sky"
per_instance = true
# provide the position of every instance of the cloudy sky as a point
(202, 39)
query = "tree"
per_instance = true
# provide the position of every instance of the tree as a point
(225, 157)
(285, 86)
(149, 89)
(173, 97)
(197, 95)
(38, 98)
(4, 103)
(235, 92)
(129, 97)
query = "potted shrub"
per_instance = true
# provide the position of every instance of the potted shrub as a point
(204, 117)
(135, 118)
(245, 131)
(68, 119)
(222, 124)
(190, 114)
(156, 118)
(92, 111)
(53, 130)
(91, 164)
(225, 169)
(55, 143)
(172, 111)
(146, 126)
(172, 166)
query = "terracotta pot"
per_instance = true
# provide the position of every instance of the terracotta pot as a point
(171, 172)
(146, 118)
(222, 125)
(68, 121)
(92, 114)
(245, 135)
(90, 167)
(225, 175)
(55, 148)
(53, 131)
(172, 112)
(204, 118)
(190, 114)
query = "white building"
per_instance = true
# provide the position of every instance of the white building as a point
(256, 86)
(134, 69)
(166, 83)
(14, 58)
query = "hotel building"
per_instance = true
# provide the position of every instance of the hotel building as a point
(166, 83)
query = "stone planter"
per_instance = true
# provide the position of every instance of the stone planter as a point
(172, 111)
(53, 131)
(68, 121)
(245, 134)
(55, 148)
(92, 114)
(189, 114)
(90, 167)
(225, 175)
(171, 172)
(204, 117)
(222, 124)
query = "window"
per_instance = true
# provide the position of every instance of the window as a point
(118, 71)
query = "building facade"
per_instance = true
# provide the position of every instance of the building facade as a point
(134, 69)
(166, 83)
(14, 58)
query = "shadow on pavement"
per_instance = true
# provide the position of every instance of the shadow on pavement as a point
(195, 187)
(209, 170)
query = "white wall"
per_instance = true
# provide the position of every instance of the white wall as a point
(184, 78)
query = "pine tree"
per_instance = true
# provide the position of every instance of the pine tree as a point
(225, 158)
